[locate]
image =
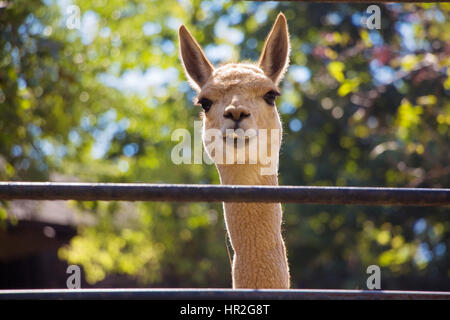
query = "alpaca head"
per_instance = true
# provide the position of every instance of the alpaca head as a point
(238, 99)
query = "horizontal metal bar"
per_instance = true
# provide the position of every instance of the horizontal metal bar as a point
(220, 294)
(226, 193)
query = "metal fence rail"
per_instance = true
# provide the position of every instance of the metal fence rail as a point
(222, 294)
(219, 193)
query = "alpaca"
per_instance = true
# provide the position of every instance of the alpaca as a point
(242, 96)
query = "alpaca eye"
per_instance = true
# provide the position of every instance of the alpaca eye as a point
(270, 97)
(205, 103)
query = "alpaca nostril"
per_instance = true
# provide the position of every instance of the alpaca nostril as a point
(245, 115)
(235, 114)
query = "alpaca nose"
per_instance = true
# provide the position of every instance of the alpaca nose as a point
(236, 113)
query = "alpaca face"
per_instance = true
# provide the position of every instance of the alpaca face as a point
(243, 103)
(239, 98)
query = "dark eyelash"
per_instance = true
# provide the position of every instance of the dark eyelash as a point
(205, 103)
(270, 97)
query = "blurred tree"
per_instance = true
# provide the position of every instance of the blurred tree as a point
(361, 108)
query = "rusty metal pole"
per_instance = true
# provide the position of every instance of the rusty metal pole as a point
(221, 294)
(219, 193)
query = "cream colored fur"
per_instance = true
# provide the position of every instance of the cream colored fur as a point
(238, 89)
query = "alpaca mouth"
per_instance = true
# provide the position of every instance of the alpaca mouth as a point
(240, 134)
(237, 141)
(235, 138)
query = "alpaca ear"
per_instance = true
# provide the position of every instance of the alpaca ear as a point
(274, 58)
(197, 67)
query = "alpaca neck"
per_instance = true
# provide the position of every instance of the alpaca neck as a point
(255, 233)
(239, 174)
